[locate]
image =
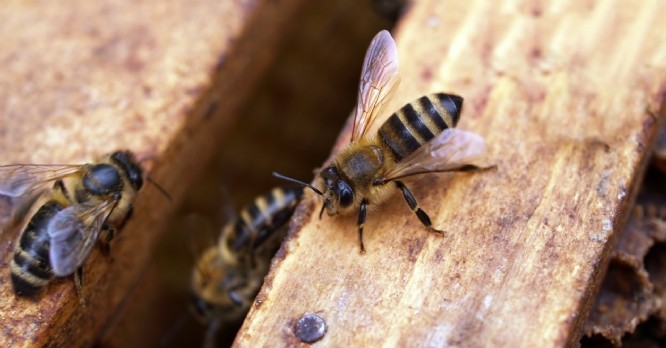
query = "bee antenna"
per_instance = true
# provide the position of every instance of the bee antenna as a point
(280, 176)
(160, 188)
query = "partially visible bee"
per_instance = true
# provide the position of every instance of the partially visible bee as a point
(228, 276)
(84, 201)
(418, 138)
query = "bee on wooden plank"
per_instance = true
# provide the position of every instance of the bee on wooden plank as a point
(418, 138)
(228, 276)
(84, 202)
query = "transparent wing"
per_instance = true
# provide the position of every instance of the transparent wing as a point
(73, 232)
(378, 76)
(19, 179)
(451, 150)
(13, 210)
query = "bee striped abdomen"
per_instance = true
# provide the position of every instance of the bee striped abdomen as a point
(419, 121)
(31, 268)
(266, 214)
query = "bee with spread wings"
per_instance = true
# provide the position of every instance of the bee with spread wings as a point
(84, 201)
(418, 138)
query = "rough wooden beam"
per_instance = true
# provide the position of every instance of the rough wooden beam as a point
(163, 79)
(566, 94)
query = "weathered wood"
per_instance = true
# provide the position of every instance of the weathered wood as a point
(566, 95)
(632, 291)
(163, 79)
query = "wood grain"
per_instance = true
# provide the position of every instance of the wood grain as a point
(163, 79)
(567, 96)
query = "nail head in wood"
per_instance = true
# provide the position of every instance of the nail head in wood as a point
(310, 328)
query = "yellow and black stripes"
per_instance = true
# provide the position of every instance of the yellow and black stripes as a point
(258, 220)
(31, 268)
(419, 121)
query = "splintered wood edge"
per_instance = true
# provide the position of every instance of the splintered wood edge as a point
(177, 141)
(538, 242)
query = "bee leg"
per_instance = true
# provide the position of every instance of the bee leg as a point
(105, 242)
(361, 221)
(321, 212)
(210, 340)
(411, 202)
(78, 284)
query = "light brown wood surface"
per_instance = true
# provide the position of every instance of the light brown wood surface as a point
(567, 96)
(80, 79)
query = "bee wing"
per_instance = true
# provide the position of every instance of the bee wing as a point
(14, 209)
(19, 179)
(378, 76)
(451, 150)
(73, 232)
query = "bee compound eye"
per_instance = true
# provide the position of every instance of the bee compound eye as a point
(345, 193)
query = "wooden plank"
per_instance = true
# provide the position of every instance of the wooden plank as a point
(561, 93)
(161, 79)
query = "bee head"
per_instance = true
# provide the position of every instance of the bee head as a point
(337, 192)
(126, 161)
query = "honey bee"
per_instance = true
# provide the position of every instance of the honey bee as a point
(419, 138)
(85, 201)
(228, 276)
